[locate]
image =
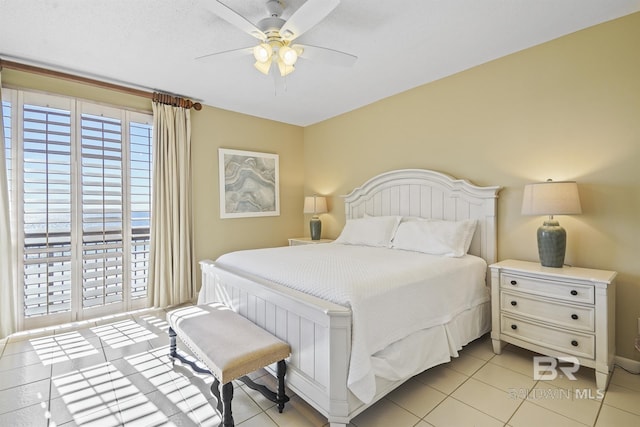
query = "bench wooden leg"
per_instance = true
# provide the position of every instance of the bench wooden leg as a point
(172, 344)
(282, 397)
(215, 390)
(173, 354)
(227, 396)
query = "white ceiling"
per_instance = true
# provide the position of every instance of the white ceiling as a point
(153, 44)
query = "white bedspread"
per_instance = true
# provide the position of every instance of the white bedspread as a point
(392, 293)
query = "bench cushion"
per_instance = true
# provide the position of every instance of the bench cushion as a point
(229, 345)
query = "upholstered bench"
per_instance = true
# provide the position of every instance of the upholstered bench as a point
(230, 347)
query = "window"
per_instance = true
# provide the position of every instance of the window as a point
(81, 185)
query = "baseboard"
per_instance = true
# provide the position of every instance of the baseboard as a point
(628, 364)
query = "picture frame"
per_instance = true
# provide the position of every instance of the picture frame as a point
(249, 183)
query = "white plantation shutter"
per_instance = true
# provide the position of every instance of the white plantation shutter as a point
(81, 178)
(46, 186)
(102, 210)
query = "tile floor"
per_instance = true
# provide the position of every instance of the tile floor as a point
(116, 372)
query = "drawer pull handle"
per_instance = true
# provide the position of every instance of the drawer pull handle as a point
(574, 343)
(574, 316)
(514, 303)
(514, 327)
(513, 282)
(574, 292)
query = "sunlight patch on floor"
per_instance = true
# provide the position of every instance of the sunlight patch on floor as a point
(123, 333)
(100, 395)
(60, 348)
(161, 324)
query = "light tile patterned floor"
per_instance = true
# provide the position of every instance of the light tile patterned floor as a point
(116, 372)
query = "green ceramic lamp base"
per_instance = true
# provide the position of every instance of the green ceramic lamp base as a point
(315, 228)
(552, 244)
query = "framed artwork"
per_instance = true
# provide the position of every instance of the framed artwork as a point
(249, 184)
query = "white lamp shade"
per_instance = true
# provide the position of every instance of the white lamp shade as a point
(287, 55)
(262, 52)
(285, 69)
(315, 204)
(263, 67)
(551, 198)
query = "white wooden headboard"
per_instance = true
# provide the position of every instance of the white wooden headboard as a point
(429, 194)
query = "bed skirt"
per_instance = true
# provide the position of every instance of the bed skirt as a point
(401, 361)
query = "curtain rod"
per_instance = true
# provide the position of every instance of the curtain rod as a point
(157, 97)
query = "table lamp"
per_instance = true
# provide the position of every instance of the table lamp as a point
(315, 205)
(551, 198)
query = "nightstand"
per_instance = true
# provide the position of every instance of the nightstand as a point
(307, 241)
(557, 312)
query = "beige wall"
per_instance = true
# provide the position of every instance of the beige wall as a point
(568, 109)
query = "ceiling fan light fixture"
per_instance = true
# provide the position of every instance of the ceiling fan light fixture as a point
(277, 35)
(287, 55)
(263, 52)
(285, 69)
(263, 67)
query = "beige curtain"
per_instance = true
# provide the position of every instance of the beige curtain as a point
(8, 321)
(172, 265)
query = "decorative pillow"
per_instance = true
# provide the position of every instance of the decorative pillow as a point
(369, 231)
(436, 237)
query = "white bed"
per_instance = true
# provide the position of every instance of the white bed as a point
(338, 365)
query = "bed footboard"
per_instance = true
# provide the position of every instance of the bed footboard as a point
(318, 331)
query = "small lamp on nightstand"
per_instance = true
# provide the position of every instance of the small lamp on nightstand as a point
(315, 205)
(551, 198)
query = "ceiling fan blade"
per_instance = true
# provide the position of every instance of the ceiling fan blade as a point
(228, 54)
(308, 15)
(326, 55)
(234, 18)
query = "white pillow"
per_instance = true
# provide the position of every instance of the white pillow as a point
(436, 237)
(369, 231)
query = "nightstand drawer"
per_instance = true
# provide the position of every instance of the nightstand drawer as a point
(549, 288)
(564, 315)
(568, 342)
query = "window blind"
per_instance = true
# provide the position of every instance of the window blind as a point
(46, 210)
(102, 215)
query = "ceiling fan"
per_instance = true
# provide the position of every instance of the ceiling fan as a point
(276, 35)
